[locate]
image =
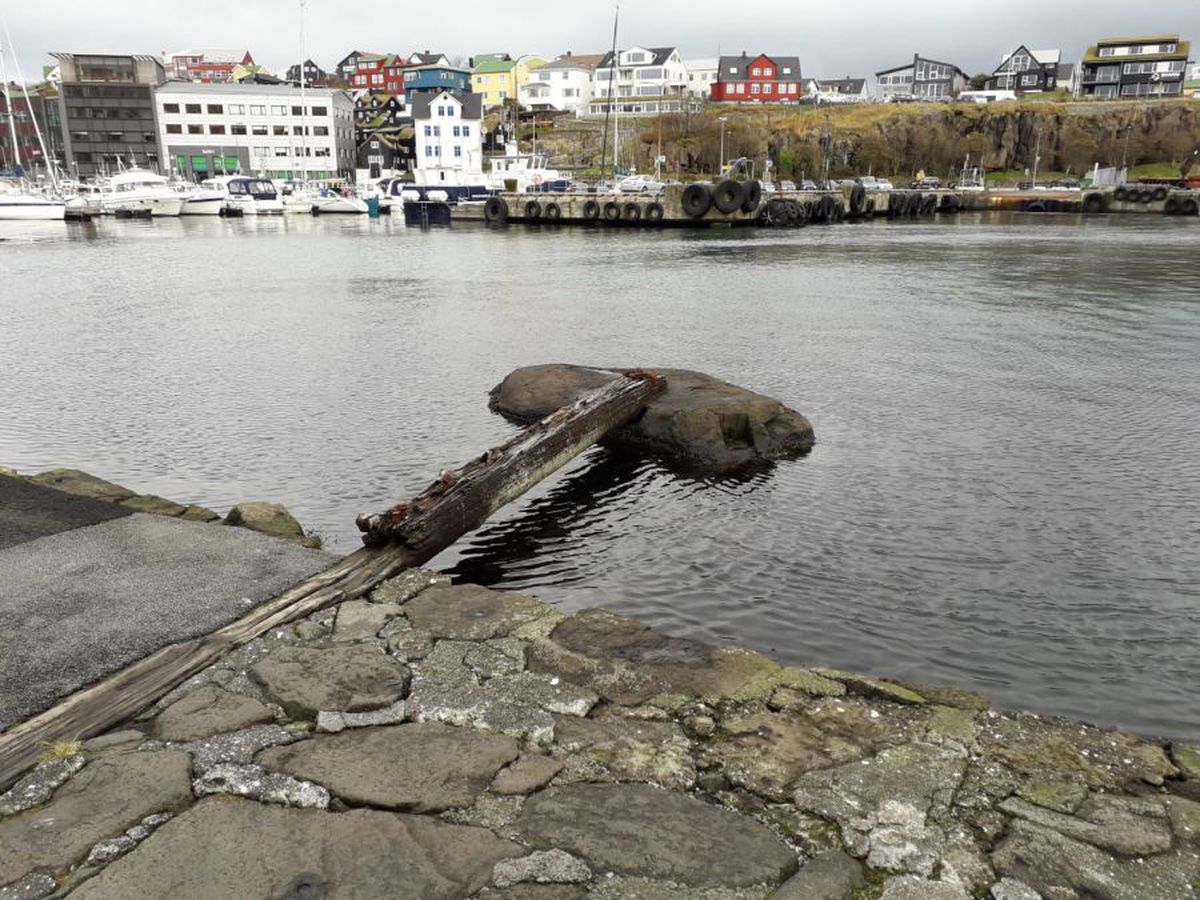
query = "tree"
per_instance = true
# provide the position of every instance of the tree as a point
(978, 82)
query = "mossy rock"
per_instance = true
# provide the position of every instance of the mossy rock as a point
(200, 514)
(149, 503)
(1187, 758)
(874, 688)
(1060, 796)
(6, 472)
(74, 481)
(952, 723)
(272, 519)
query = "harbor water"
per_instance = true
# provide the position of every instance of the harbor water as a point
(1004, 495)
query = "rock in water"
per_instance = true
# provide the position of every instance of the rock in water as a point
(269, 518)
(698, 420)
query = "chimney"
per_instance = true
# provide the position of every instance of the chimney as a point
(743, 54)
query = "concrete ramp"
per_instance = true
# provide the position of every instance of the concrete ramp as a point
(88, 587)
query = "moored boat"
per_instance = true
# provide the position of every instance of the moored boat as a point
(139, 192)
(17, 201)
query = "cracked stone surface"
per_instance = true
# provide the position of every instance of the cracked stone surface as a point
(256, 784)
(207, 711)
(33, 886)
(830, 876)
(530, 772)
(468, 612)
(105, 798)
(611, 826)
(542, 867)
(632, 749)
(415, 768)
(406, 585)
(1135, 826)
(354, 678)
(333, 722)
(237, 746)
(217, 849)
(36, 787)
(359, 620)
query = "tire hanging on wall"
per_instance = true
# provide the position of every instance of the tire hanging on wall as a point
(591, 210)
(654, 211)
(1171, 207)
(728, 196)
(1160, 194)
(1121, 193)
(1035, 206)
(896, 203)
(631, 212)
(1093, 203)
(696, 200)
(929, 204)
(533, 209)
(553, 211)
(1189, 207)
(612, 212)
(858, 199)
(1146, 196)
(495, 211)
(753, 190)
(912, 206)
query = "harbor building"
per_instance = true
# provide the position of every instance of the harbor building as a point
(431, 73)
(313, 74)
(498, 78)
(256, 128)
(701, 76)
(561, 85)
(922, 79)
(643, 81)
(383, 135)
(383, 72)
(205, 66)
(757, 79)
(108, 112)
(448, 137)
(1152, 66)
(29, 113)
(1026, 71)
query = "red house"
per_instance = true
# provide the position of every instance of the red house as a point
(206, 66)
(380, 72)
(758, 79)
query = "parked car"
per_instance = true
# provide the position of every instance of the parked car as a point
(787, 185)
(1065, 184)
(871, 183)
(807, 185)
(928, 183)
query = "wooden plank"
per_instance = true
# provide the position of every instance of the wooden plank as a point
(407, 535)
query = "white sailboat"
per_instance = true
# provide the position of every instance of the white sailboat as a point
(19, 199)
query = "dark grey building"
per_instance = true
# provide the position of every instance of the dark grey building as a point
(1121, 68)
(107, 110)
(1026, 71)
(922, 79)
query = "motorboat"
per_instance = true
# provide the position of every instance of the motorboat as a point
(246, 195)
(137, 191)
(202, 201)
(525, 173)
(330, 201)
(295, 197)
(19, 201)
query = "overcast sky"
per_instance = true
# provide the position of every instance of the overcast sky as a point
(831, 38)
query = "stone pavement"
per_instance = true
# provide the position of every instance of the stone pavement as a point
(454, 742)
(90, 583)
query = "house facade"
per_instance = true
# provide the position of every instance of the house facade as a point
(641, 80)
(562, 85)
(922, 79)
(757, 79)
(107, 111)
(348, 64)
(383, 72)
(430, 73)
(383, 135)
(1125, 68)
(448, 134)
(313, 74)
(29, 114)
(1027, 71)
(701, 76)
(256, 128)
(205, 66)
(838, 90)
(498, 79)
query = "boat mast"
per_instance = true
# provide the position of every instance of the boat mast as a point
(12, 113)
(612, 98)
(37, 128)
(303, 105)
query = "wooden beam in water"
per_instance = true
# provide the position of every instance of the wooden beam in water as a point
(407, 535)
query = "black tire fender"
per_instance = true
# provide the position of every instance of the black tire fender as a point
(631, 212)
(1160, 193)
(612, 211)
(858, 199)
(728, 196)
(1035, 206)
(654, 211)
(591, 210)
(533, 209)
(553, 211)
(1189, 207)
(495, 210)
(696, 200)
(753, 190)
(1121, 193)
(1093, 203)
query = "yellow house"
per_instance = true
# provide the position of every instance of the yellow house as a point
(498, 78)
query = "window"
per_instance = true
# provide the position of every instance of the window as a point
(193, 108)
(237, 109)
(466, 131)
(321, 130)
(215, 109)
(1029, 79)
(733, 70)
(195, 129)
(296, 129)
(768, 72)
(756, 71)
(216, 129)
(457, 150)
(279, 110)
(79, 136)
(174, 128)
(297, 111)
(428, 131)
(319, 110)
(281, 151)
(237, 129)
(262, 151)
(171, 108)
(258, 129)
(374, 145)
(441, 110)
(117, 136)
(437, 130)
(279, 130)
(787, 70)
(428, 150)
(258, 110)
(456, 134)
(755, 89)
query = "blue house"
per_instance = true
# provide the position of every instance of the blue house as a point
(429, 72)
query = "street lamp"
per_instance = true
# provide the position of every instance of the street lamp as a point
(722, 120)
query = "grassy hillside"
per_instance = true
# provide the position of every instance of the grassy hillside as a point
(898, 139)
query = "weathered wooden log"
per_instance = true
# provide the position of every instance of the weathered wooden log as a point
(407, 535)
(462, 499)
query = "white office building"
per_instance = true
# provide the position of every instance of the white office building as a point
(214, 129)
(563, 85)
(644, 81)
(701, 76)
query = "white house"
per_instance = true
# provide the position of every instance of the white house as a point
(208, 129)
(839, 90)
(449, 137)
(564, 85)
(701, 73)
(645, 81)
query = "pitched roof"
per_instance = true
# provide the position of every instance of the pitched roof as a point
(1182, 49)
(735, 68)
(472, 104)
(661, 54)
(587, 60)
(427, 58)
(919, 58)
(1065, 72)
(566, 62)
(492, 63)
(214, 56)
(845, 85)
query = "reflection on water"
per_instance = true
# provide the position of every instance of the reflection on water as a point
(1004, 492)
